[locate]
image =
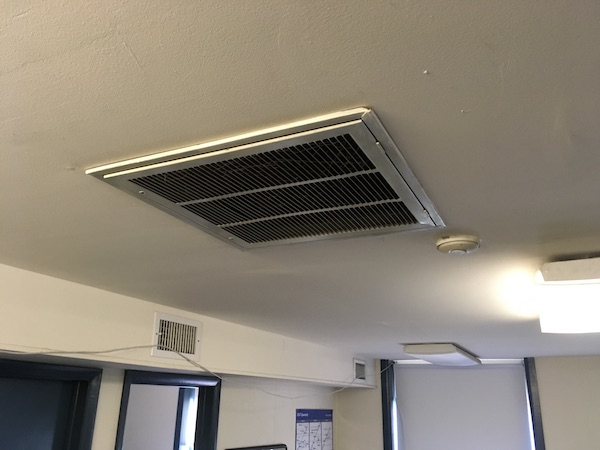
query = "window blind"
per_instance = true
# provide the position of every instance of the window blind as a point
(452, 408)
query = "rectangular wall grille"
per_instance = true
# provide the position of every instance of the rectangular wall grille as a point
(360, 370)
(313, 182)
(176, 337)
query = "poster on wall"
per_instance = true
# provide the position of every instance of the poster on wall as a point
(314, 429)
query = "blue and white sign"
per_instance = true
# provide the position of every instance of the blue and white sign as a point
(314, 429)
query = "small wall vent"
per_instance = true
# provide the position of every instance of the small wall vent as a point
(360, 371)
(332, 176)
(174, 336)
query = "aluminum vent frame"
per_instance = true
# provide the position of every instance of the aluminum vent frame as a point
(363, 127)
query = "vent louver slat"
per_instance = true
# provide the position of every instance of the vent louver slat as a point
(370, 217)
(313, 161)
(334, 176)
(306, 197)
(176, 337)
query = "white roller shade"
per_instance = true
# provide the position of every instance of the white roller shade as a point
(475, 408)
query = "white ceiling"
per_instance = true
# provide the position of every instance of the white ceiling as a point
(495, 105)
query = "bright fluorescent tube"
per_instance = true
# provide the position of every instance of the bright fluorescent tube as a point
(572, 316)
(570, 309)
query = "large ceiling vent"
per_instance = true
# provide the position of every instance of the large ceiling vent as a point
(333, 176)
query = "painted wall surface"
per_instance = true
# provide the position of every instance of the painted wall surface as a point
(260, 411)
(570, 401)
(107, 413)
(151, 416)
(41, 312)
(253, 411)
(358, 423)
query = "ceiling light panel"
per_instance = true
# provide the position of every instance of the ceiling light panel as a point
(333, 176)
(570, 309)
(573, 271)
(443, 354)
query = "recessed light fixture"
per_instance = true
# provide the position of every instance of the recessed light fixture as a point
(443, 354)
(570, 296)
(570, 309)
(574, 271)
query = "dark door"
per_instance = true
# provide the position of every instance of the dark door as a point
(46, 406)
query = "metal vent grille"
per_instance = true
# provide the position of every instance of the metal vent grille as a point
(176, 337)
(368, 217)
(334, 177)
(312, 161)
(360, 370)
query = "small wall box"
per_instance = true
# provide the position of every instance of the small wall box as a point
(262, 447)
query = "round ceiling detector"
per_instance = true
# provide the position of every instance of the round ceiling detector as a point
(458, 244)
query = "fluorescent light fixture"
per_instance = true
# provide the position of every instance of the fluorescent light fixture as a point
(570, 309)
(570, 296)
(575, 271)
(443, 354)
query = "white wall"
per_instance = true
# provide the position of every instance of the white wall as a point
(40, 312)
(357, 418)
(260, 411)
(107, 413)
(251, 416)
(253, 411)
(570, 401)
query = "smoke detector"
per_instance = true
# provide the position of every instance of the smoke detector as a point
(332, 176)
(458, 244)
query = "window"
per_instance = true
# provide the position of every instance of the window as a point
(466, 408)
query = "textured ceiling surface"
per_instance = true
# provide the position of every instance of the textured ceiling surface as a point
(495, 106)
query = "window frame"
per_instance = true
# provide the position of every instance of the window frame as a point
(388, 404)
(82, 415)
(533, 394)
(209, 393)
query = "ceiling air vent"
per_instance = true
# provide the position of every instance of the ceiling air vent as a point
(332, 176)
